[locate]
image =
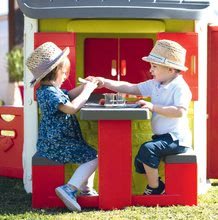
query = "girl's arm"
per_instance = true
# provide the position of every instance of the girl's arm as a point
(77, 103)
(73, 93)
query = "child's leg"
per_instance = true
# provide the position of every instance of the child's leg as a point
(67, 193)
(150, 153)
(152, 176)
(150, 173)
(88, 185)
(83, 173)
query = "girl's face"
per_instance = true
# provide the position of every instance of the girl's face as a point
(161, 73)
(63, 71)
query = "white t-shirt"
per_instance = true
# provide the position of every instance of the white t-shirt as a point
(176, 93)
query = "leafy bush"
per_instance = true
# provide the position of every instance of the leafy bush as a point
(15, 64)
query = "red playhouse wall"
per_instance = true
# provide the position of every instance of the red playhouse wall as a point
(212, 103)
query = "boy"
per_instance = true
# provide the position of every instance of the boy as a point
(170, 98)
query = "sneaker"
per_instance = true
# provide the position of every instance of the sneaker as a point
(90, 192)
(68, 196)
(155, 191)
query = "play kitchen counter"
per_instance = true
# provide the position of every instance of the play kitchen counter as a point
(128, 112)
(114, 151)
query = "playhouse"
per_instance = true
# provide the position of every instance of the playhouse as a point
(108, 38)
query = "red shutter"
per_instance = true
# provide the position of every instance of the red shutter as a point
(212, 103)
(62, 40)
(190, 42)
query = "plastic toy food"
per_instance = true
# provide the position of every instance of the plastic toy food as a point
(101, 101)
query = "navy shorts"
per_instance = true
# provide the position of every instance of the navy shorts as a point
(151, 152)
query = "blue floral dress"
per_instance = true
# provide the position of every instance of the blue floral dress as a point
(60, 138)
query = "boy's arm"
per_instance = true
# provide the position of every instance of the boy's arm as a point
(119, 86)
(167, 111)
(170, 111)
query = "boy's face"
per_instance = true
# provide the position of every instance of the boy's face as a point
(161, 73)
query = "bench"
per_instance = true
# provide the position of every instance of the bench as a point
(180, 181)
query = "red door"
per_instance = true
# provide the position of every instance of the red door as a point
(106, 57)
(99, 56)
(131, 53)
(212, 103)
(190, 42)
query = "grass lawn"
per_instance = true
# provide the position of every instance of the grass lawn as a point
(16, 204)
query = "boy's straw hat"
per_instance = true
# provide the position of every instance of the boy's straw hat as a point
(168, 53)
(44, 59)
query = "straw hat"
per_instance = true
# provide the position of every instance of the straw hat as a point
(44, 59)
(168, 53)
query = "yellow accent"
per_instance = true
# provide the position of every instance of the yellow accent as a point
(53, 25)
(8, 133)
(121, 26)
(173, 25)
(116, 26)
(7, 118)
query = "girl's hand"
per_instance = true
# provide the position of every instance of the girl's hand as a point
(145, 104)
(90, 86)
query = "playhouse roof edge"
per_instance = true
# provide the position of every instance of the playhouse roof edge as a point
(110, 9)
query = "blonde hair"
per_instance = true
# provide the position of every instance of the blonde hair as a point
(53, 74)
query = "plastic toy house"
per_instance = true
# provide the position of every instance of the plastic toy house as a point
(108, 38)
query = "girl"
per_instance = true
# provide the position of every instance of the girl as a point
(60, 137)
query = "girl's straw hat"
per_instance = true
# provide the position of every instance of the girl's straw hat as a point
(44, 59)
(168, 53)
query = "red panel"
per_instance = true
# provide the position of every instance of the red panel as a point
(126, 53)
(98, 57)
(154, 200)
(190, 42)
(181, 187)
(132, 51)
(115, 163)
(212, 103)
(45, 179)
(88, 201)
(62, 40)
(186, 174)
(11, 148)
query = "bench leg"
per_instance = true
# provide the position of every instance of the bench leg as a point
(181, 179)
(45, 179)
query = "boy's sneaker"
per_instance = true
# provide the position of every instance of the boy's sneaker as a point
(155, 191)
(68, 196)
(90, 192)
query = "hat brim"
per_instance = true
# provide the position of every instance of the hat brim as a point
(59, 58)
(150, 60)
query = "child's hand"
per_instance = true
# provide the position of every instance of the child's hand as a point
(90, 86)
(145, 104)
(99, 80)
